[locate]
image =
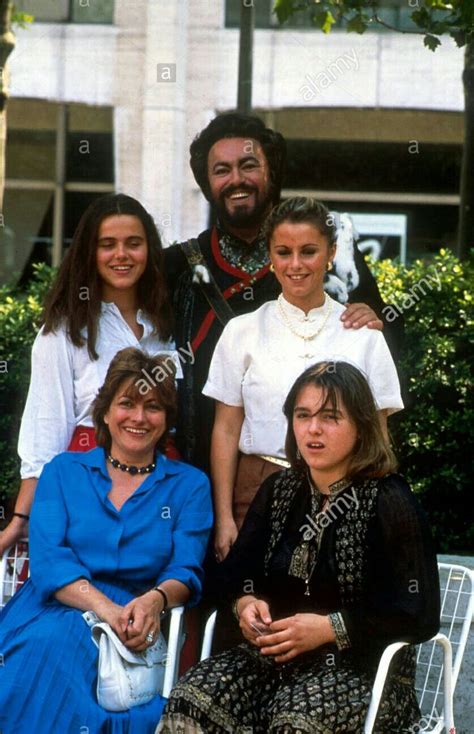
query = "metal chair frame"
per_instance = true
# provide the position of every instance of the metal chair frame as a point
(11, 571)
(436, 682)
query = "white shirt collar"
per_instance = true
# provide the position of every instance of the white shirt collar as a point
(299, 315)
(112, 309)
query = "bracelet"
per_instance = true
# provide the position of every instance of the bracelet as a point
(22, 515)
(164, 595)
(234, 608)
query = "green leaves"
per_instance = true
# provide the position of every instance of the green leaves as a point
(20, 317)
(324, 20)
(358, 23)
(433, 18)
(431, 42)
(21, 19)
(436, 367)
(284, 9)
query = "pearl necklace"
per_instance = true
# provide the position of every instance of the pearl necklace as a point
(294, 331)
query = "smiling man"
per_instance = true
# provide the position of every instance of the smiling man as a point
(239, 165)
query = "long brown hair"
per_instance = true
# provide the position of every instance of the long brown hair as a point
(75, 297)
(341, 381)
(129, 366)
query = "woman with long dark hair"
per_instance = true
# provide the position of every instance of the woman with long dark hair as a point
(109, 294)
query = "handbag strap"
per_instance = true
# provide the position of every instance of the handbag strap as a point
(211, 291)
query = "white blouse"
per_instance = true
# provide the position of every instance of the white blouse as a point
(64, 383)
(258, 358)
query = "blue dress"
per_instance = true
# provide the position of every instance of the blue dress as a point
(48, 662)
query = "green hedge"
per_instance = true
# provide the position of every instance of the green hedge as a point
(20, 315)
(433, 436)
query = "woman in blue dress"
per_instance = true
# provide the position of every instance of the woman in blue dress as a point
(120, 530)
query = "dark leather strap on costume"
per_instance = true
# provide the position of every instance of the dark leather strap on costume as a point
(211, 290)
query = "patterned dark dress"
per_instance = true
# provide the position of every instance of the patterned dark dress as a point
(368, 562)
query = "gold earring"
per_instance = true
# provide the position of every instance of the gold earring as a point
(272, 269)
(329, 266)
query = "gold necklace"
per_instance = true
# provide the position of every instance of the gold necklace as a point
(294, 331)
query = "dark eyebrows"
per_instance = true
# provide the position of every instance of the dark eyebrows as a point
(242, 161)
(331, 411)
(114, 239)
(306, 244)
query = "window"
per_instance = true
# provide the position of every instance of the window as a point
(395, 13)
(373, 179)
(68, 11)
(264, 18)
(58, 159)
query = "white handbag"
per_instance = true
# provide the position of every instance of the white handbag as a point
(125, 678)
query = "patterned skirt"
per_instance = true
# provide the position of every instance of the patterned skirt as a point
(242, 692)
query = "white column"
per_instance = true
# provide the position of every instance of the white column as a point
(165, 106)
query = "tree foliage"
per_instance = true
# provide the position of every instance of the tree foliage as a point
(433, 18)
(20, 316)
(21, 19)
(434, 435)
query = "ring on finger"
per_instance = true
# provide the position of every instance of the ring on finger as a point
(150, 637)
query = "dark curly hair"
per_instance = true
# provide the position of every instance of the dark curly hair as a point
(237, 125)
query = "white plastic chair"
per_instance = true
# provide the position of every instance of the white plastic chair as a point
(14, 570)
(438, 660)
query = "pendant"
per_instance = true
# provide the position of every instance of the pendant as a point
(307, 592)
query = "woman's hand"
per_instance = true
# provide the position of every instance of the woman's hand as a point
(225, 535)
(141, 617)
(294, 635)
(254, 618)
(357, 315)
(112, 613)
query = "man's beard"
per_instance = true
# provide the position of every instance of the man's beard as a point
(242, 217)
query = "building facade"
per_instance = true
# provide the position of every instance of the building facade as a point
(107, 96)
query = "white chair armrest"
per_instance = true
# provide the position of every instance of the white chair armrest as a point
(3, 568)
(447, 681)
(379, 684)
(208, 635)
(174, 648)
(381, 676)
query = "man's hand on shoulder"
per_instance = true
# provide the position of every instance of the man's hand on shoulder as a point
(357, 315)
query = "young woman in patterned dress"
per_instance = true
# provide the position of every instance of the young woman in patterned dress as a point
(334, 562)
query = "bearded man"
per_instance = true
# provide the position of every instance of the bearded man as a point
(239, 164)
